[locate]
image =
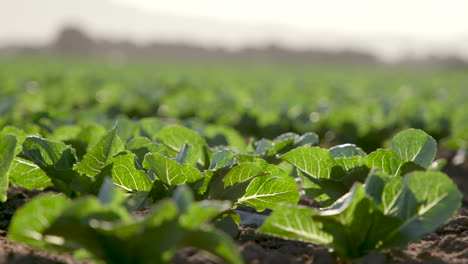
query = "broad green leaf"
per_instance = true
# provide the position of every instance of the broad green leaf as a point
(49, 154)
(20, 136)
(385, 160)
(127, 129)
(169, 171)
(246, 157)
(30, 221)
(357, 226)
(86, 139)
(295, 222)
(175, 137)
(91, 135)
(263, 146)
(270, 190)
(347, 151)
(416, 146)
(350, 162)
(125, 174)
(65, 133)
(242, 173)
(438, 199)
(7, 154)
(183, 197)
(374, 186)
(149, 127)
(315, 161)
(28, 175)
(86, 223)
(282, 143)
(322, 190)
(391, 194)
(100, 155)
(109, 194)
(307, 139)
(214, 242)
(228, 222)
(142, 146)
(202, 212)
(224, 136)
(55, 159)
(163, 211)
(188, 155)
(221, 159)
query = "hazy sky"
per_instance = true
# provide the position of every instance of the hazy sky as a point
(389, 28)
(421, 18)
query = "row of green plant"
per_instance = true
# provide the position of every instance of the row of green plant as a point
(374, 201)
(358, 105)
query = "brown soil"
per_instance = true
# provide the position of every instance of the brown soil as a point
(448, 244)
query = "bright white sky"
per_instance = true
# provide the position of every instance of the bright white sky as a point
(387, 28)
(422, 18)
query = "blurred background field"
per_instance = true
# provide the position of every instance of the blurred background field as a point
(360, 104)
(250, 69)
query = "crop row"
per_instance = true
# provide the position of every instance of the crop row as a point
(362, 106)
(371, 202)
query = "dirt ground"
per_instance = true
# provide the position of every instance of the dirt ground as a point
(448, 244)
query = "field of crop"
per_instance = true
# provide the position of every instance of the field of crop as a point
(140, 162)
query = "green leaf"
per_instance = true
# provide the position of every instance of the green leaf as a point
(188, 155)
(127, 129)
(20, 136)
(202, 212)
(347, 151)
(224, 136)
(175, 137)
(437, 198)
(242, 173)
(315, 161)
(30, 221)
(307, 139)
(125, 174)
(86, 223)
(169, 171)
(350, 162)
(183, 198)
(270, 190)
(150, 126)
(415, 145)
(7, 154)
(386, 160)
(322, 190)
(263, 146)
(142, 146)
(221, 159)
(391, 195)
(55, 159)
(295, 222)
(89, 137)
(215, 242)
(49, 154)
(282, 143)
(28, 175)
(358, 227)
(100, 155)
(228, 222)
(65, 133)
(109, 194)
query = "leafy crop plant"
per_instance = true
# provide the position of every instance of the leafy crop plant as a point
(385, 212)
(102, 228)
